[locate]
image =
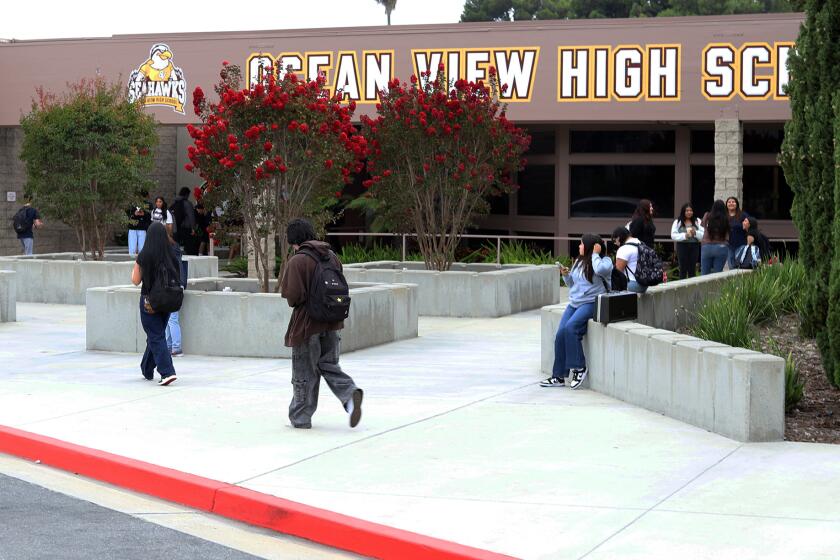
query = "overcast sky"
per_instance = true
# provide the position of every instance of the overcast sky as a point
(44, 19)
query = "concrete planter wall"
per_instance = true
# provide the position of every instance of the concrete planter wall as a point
(8, 299)
(64, 277)
(734, 392)
(468, 290)
(246, 323)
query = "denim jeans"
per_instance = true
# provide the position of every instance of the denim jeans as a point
(713, 257)
(173, 332)
(568, 350)
(27, 244)
(633, 286)
(136, 240)
(315, 358)
(156, 354)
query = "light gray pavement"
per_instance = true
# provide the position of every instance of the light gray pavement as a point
(457, 442)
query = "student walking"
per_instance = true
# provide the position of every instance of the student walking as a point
(315, 344)
(687, 232)
(737, 234)
(588, 278)
(644, 210)
(157, 254)
(714, 248)
(23, 223)
(139, 218)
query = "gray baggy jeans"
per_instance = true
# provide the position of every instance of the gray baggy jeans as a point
(317, 357)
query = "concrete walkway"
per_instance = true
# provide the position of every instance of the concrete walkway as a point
(457, 442)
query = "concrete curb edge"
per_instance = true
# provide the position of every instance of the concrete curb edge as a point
(241, 504)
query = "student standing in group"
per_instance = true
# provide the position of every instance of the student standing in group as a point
(714, 248)
(157, 253)
(757, 248)
(23, 222)
(644, 211)
(162, 215)
(737, 235)
(139, 218)
(183, 213)
(588, 278)
(315, 345)
(627, 255)
(687, 232)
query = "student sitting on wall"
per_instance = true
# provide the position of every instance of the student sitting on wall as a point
(757, 248)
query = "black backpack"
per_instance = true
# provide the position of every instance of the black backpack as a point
(21, 221)
(649, 269)
(167, 294)
(328, 300)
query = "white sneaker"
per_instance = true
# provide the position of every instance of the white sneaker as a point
(578, 375)
(553, 382)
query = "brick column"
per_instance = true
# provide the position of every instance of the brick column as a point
(729, 159)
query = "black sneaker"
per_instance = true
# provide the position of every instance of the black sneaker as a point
(578, 375)
(354, 407)
(553, 382)
(167, 380)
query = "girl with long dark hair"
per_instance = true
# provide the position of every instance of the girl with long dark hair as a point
(714, 249)
(644, 212)
(162, 214)
(757, 248)
(156, 254)
(737, 235)
(588, 278)
(687, 232)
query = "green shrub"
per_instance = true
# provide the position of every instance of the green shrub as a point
(726, 320)
(239, 266)
(794, 384)
(355, 253)
(517, 252)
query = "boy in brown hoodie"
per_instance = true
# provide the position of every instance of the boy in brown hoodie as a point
(315, 345)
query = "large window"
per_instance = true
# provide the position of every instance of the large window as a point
(763, 139)
(499, 205)
(702, 141)
(702, 188)
(542, 142)
(766, 192)
(607, 191)
(536, 191)
(622, 141)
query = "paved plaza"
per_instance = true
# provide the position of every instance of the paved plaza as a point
(457, 441)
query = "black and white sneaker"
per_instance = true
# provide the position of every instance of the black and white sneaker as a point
(553, 382)
(578, 375)
(354, 407)
(167, 380)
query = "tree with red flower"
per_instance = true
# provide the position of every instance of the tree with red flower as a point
(279, 150)
(438, 149)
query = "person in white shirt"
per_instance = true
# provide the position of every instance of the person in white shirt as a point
(627, 255)
(687, 231)
(161, 213)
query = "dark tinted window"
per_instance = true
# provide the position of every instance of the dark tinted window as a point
(499, 205)
(622, 141)
(758, 140)
(702, 141)
(608, 191)
(702, 188)
(766, 193)
(542, 142)
(538, 244)
(536, 191)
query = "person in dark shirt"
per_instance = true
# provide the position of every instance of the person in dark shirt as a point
(644, 212)
(156, 253)
(139, 218)
(184, 214)
(31, 219)
(202, 221)
(737, 234)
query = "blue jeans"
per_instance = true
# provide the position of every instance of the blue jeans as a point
(173, 332)
(156, 354)
(568, 350)
(27, 243)
(713, 257)
(633, 286)
(136, 240)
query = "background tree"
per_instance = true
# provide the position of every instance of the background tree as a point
(281, 150)
(389, 7)
(809, 161)
(441, 150)
(88, 153)
(516, 10)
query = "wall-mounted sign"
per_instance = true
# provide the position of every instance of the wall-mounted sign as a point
(158, 82)
(11, 196)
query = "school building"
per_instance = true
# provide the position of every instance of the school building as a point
(670, 109)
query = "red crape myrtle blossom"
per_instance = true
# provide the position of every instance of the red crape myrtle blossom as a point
(438, 150)
(282, 149)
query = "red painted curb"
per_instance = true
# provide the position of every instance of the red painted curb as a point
(234, 502)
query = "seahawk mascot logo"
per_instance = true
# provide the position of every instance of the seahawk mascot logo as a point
(158, 82)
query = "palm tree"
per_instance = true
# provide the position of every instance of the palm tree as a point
(389, 7)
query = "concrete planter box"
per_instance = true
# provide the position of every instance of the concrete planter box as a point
(64, 277)
(245, 323)
(468, 290)
(8, 299)
(734, 392)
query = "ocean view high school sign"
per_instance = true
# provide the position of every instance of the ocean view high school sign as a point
(584, 73)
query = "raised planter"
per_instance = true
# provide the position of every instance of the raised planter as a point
(734, 392)
(8, 299)
(243, 322)
(468, 290)
(64, 277)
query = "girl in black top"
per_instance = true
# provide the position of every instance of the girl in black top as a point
(644, 211)
(157, 252)
(737, 234)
